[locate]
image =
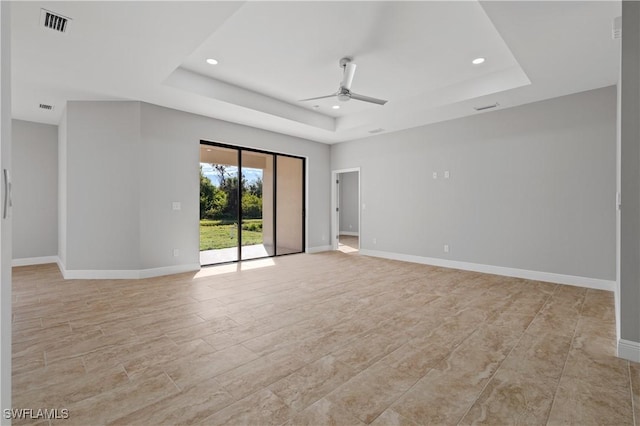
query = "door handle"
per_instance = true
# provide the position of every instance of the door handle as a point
(7, 193)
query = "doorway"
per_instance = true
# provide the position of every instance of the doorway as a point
(346, 220)
(251, 204)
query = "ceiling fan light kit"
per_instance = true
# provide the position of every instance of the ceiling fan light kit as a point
(344, 92)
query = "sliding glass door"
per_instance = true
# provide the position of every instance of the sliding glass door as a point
(251, 204)
(290, 204)
(257, 233)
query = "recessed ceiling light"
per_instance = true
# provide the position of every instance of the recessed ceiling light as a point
(336, 107)
(208, 150)
(212, 61)
(477, 61)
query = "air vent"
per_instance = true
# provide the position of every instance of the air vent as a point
(482, 108)
(54, 21)
(378, 130)
(616, 32)
(47, 107)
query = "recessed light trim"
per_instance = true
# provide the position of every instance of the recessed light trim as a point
(336, 107)
(212, 61)
(477, 61)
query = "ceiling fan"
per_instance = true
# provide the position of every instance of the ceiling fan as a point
(344, 93)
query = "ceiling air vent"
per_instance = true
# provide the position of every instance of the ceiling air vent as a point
(482, 108)
(47, 107)
(616, 31)
(54, 21)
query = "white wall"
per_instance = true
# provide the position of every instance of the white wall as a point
(5, 224)
(531, 187)
(35, 189)
(127, 162)
(348, 202)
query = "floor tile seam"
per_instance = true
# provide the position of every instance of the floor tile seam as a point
(170, 379)
(297, 370)
(499, 367)
(235, 401)
(263, 387)
(566, 361)
(493, 375)
(633, 403)
(441, 359)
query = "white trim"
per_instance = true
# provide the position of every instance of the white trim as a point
(318, 249)
(26, 261)
(349, 233)
(594, 283)
(124, 274)
(335, 225)
(629, 350)
(168, 270)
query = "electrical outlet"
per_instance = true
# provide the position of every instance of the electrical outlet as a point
(435, 175)
(446, 174)
(446, 248)
(176, 205)
(176, 252)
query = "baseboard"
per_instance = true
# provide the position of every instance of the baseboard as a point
(26, 261)
(318, 249)
(348, 233)
(124, 274)
(168, 270)
(629, 350)
(594, 283)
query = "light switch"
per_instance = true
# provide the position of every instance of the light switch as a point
(435, 175)
(176, 205)
(446, 174)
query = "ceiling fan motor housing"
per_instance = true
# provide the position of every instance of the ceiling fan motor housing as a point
(343, 95)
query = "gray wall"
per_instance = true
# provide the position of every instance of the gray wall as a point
(103, 168)
(35, 189)
(531, 187)
(62, 188)
(171, 138)
(124, 165)
(349, 202)
(630, 179)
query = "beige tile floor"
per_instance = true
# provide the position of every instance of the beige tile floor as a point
(329, 338)
(348, 243)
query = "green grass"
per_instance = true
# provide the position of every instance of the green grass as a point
(219, 234)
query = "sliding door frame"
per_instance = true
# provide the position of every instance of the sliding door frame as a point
(275, 156)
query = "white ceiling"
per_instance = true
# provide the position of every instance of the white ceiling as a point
(417, 55)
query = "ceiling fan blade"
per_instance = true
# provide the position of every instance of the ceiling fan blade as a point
(367, 99)
(349, 72)
(319, 97)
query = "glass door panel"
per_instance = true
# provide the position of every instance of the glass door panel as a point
(219, 202)
(257, 205)
(289, 205)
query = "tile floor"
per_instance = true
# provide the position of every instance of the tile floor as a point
(329, 338)
(348, 243)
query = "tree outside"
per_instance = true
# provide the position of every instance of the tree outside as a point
(219, 206)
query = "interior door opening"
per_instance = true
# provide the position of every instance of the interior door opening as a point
(347, 211)
(251, 204)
